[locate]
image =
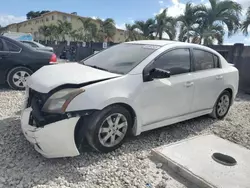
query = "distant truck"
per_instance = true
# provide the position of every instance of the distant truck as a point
(27, 39)
(19, 36)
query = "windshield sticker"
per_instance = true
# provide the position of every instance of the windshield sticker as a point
(151, 47)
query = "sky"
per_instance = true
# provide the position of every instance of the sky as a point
(126, 11)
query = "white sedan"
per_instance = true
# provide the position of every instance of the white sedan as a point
(126, 89)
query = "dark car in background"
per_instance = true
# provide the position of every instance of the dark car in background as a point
(18, 61)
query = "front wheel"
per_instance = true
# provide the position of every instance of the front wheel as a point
(107, 129)
(222, 105)
(17, 77)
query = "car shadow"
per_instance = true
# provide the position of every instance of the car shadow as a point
(21, 164)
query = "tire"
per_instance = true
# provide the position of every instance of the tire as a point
(221, 109)
(102, 125)
(17, 76)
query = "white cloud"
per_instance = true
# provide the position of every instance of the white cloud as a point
(174, 10)
(177, 9)
(9, 19)
(175, 2)
(161, 2)
(244, 3)
(94, 17)
(120, 26)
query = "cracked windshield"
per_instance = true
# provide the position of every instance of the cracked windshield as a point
(125, 94)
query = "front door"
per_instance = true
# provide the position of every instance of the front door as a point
(167, 98)
(209, 82)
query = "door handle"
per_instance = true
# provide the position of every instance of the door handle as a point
(219, 77)
(189, 84)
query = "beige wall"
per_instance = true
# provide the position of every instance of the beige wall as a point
(32, 26)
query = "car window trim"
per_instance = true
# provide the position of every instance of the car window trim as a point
(166, 51)
(6, 46)
(219, 64)
(207, 52)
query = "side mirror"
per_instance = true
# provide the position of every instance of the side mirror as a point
(156, 73)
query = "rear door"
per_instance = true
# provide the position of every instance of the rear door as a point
(4, 60)
(209, 81)
(11, 55)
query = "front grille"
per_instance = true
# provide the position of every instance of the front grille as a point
(36, 101)
(38, 118)
(38, 98)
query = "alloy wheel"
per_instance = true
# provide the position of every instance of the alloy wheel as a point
(113, 130)
(223, 105)
(20, 78)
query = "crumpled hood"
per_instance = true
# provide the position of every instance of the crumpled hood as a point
(52, 76)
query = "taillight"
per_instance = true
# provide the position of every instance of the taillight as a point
(53, 59)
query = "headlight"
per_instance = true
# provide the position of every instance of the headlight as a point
(59, 101)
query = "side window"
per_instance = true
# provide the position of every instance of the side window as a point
(12, 47)
(203, 60)
(176, 61)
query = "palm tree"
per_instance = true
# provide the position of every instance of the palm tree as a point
(130, 32)
(166, 24)
(44, 30)
(64, 29)
(246, 23)
(213, 19)
(107, 29)
(188, 22)
(53, 30)
(74, 35)
(146, 27)
(90, 29)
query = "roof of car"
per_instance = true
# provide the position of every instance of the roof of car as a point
(153, 42)
(167, 42)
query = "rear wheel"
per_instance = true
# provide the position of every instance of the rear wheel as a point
(17, 77)
(222, 105)
(107, 129)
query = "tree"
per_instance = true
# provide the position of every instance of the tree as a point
(90, 29)
(64, 29)
(213, 19)
(146, 27)
(34, 14)
(166, 24)
(188, 22)
(74, 35)
(107, 29)
(246, 23)
(44, 30)
(130, 32)
(53, 31)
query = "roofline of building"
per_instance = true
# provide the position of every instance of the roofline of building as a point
(53, 12)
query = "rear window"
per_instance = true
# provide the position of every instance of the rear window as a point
(12, 47)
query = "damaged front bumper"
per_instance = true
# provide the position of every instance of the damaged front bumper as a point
(55, 139)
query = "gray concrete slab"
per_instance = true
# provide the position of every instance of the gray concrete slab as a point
(191, 159)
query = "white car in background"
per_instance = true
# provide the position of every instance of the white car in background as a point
(126, 89)
(37, 45)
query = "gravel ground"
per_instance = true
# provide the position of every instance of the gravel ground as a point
(129, 166)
